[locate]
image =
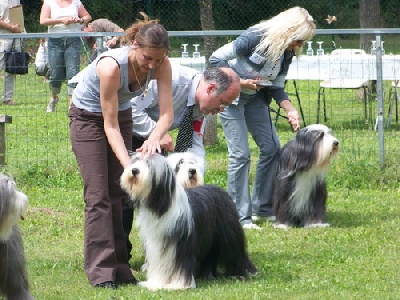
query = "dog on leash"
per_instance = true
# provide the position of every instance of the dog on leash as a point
(13, 276)
(186, 166)
(188, 233)
(300, 192)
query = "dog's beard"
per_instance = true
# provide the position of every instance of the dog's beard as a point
(13, 205)
(186, 166)
(134, 180)
(327, 151)
(189, 176)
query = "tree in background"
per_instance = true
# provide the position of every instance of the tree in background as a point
(229, 14)
(207, 23)
(370, 17)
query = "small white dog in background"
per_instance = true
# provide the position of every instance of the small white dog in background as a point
(13, 276)
(300, 192)
(187, 168)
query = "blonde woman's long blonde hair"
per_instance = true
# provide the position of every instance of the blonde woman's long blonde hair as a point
(294, 24)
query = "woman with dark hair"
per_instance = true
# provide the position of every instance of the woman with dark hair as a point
(101, 136)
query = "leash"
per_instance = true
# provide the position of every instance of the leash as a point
(277, 113)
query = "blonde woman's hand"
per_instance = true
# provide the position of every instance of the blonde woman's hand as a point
(249, 84)
(294, 119)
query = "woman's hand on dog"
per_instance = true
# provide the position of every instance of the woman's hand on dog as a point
(150, 147)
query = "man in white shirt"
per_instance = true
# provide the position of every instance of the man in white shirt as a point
(210, 92)
(5, 45)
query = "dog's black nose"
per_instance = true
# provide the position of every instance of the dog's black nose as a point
(336, 143)
(192, 171)
(135, 171)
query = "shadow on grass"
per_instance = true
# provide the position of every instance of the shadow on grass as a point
(348, 219)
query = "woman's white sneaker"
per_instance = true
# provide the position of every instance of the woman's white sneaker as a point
(52, 105)
(251, 226)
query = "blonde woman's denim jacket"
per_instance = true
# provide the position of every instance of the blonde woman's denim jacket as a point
(240, 55)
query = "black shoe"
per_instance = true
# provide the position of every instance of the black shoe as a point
(106, 285)
(132, 281)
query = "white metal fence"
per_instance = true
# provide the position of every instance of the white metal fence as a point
(343, 107)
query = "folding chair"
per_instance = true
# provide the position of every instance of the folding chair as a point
(344, 82)
(393, 101)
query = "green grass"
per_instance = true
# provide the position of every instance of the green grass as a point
(356, 258)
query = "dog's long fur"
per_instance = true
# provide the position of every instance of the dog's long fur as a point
(300, 191)
(13, 276)
(186, 168)
(186, 233)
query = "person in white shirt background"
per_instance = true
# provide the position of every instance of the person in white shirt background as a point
(5, 45)
(62, 16)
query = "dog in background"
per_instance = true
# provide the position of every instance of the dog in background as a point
(13, 276)
(188, 233)
(186, 166)
(300, 192)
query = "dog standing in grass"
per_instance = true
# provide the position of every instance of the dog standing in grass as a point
(13, 276)
(300, 191)
(186, 233)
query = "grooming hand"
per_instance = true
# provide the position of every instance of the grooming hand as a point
(294, 119)
(150, 147)
(167, 143)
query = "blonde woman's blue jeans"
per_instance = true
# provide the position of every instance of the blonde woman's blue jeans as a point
(250, 115)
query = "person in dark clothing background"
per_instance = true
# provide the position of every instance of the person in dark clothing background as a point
(110, 42)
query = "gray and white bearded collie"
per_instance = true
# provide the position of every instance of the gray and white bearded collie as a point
(300, 192)
(187, 234)
(187, 168)
(13, 276)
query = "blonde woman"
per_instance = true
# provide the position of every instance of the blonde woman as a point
(101, 135)
(262, 54)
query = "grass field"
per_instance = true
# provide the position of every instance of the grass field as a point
(356, 258)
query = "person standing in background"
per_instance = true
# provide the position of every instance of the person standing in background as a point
(102, 25)
(62, 16)
(5, 45)
(263, 52)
